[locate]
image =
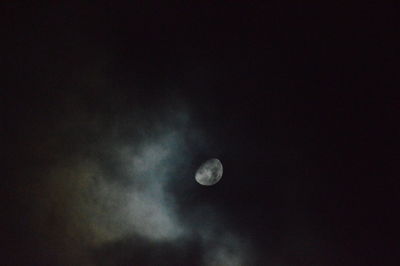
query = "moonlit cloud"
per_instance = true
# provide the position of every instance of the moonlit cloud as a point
(119, 189)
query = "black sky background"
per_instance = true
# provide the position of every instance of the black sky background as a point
(301, 103)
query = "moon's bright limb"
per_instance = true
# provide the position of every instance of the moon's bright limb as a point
(209, 173)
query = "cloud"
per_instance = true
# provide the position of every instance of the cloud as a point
(121, 193)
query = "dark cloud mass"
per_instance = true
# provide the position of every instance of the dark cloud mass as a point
(110, 110)
(107, 198)
(102, 190)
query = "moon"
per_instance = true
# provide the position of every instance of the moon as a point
(209, 173)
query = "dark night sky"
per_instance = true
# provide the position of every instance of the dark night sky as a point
(299, 102)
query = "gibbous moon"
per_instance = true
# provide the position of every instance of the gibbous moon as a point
(209, 173)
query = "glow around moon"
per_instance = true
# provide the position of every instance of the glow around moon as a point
(209, 173)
